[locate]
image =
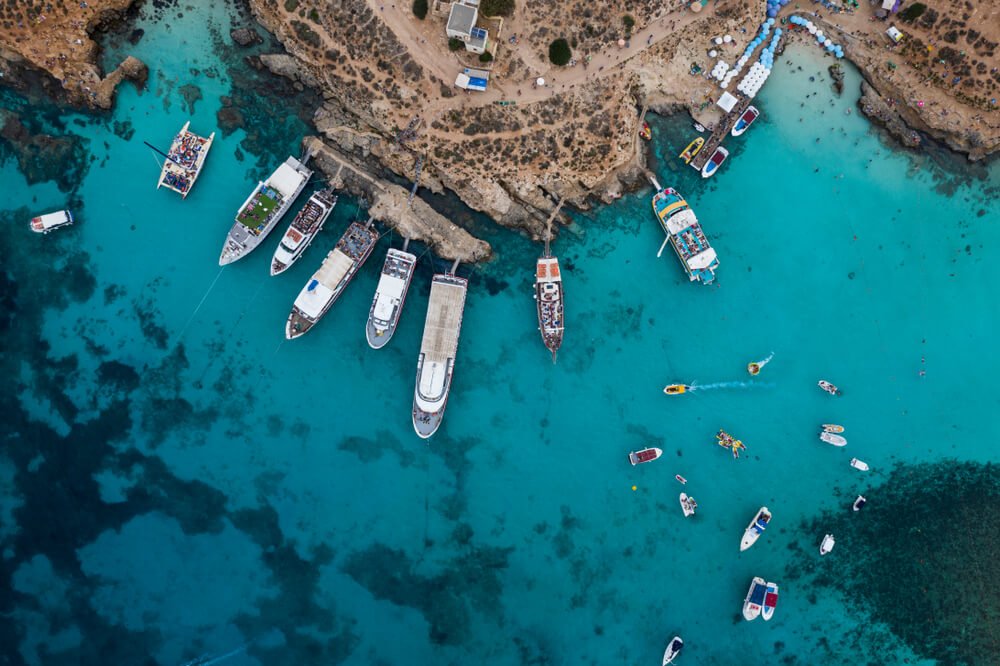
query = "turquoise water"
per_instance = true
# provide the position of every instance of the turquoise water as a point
(178, 481)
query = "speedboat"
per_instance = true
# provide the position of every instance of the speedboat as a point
(828, 387)
(827, 545)
(688, 505)
(859, 464)
(646, 133)
(681, 479)
(859, 503)
(745, 121)
(830, 438)
(770, 601)
(830, 427)
(676, 389)
(673, 650)
(692, 149)
(755, 598)
(644, 456)
(755, 367)
(699, 127)
(43, 224)
(714, 162)
(755, 529)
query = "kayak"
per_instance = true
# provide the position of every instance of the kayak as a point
(828, 387)
(676, 389)
(829, 427)
(859, 464)
(830, 438)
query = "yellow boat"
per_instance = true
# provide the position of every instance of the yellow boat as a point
(833, 428)
(676, 389)
(692, 150)
(646, 132)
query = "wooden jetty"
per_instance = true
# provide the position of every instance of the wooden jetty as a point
(721, 131)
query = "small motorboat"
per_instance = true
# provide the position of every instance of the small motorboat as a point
(676, 389)
(688, 505)
(859, 464)
(714, 162)
(699, 127)
(646, 133)
(680, 478)
(755, 367)
(827, 545)
(859, 503)
(829, 388)
(43, 224)
(644, 456)
(745, 121)
(830, 438)
(830, 427)
(770, 601)
(673, 650)
(755, 529)
(754, 601)
(692, 149)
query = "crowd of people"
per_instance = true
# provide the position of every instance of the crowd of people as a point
(691, 241)
(185, 152)
(726, 441)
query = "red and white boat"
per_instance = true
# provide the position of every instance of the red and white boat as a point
(644, 456)
(714, 162)
(745, 121)
(770, 601)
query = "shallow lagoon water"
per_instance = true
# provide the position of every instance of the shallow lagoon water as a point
(230, 494)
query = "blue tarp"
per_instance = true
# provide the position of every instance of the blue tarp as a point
(477, 84)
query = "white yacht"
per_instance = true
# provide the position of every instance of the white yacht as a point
(43, 224)
(185, 160)
(262, 210)
(303, 230)
(755, 528)
(390, 295)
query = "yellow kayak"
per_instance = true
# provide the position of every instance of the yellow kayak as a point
(676, 389)
(692, 150)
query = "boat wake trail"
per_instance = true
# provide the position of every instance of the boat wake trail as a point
(207, 659)
(728, 385)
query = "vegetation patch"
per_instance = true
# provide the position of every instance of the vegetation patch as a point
(420, 9)
(559, 52)
(496, 7)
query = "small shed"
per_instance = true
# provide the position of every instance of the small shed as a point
(727, 102)
(473, 79)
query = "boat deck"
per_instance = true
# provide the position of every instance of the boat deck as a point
(444, 319)
(721, 131)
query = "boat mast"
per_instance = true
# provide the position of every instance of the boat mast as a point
(165, 155)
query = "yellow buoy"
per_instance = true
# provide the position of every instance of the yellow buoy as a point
(633, 488)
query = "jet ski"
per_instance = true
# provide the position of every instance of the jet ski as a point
(827, 545)
(829, 388)
(858, 503)
(676, 389)
(830, 438)
(673, 650)
(859, 464)
(830, 427)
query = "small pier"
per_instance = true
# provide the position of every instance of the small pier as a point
(548, 224)
(721, 131)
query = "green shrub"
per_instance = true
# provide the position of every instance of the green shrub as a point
(485, 56)
(420, 9)
(913, 12)
(496, 7)
(629, 22)
(314, 15)
(291, 5)
(559, 52)
(455, 44)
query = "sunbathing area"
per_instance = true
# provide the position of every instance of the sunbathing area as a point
(259, 211)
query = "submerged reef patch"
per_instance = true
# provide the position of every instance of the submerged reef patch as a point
(920, 558)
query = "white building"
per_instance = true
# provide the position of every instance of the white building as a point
(462, 25)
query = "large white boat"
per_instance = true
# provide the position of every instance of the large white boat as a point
(390, 295)
(754, 602)
(436, 363)
(685, 235)
(333, 276)
(43, 224)
(745, 121)
(185, 160)
(303, 229)
(755, 528)
(673, 650)
(549, 302)
(262, 210)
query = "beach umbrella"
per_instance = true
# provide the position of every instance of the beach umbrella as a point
(718, 41)
(540, 82)
(819, 33)
(713, 53)
(727, 38)
(695, 7)
(828, 43)
(770, 21)
(621, 43)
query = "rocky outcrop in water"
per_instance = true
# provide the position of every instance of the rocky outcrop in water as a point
(43, 157)
(245, 37)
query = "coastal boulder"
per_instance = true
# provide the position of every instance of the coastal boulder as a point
(245, 37)
(288, 67)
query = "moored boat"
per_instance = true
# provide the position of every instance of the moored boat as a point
(770, 601)
(262, 210)
(755, 528)
(745, 121)
(681, 479)
(328, 283)
(832, 427)
(549, 302)
(827, 544)
(688, 505)
(438, 348)
(828, 387)
(43, 224)
(859, 464)
(859, 503)
(692, 149)
(835, 440)
(753, 604)
(390, 295)
(646, 133)
(676, 389)
(685, 234)
(644, 456)
(673, 650)
(714, 162)
(184, 162)
(303, 229)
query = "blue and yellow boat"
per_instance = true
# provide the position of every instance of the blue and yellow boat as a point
(686, 235)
